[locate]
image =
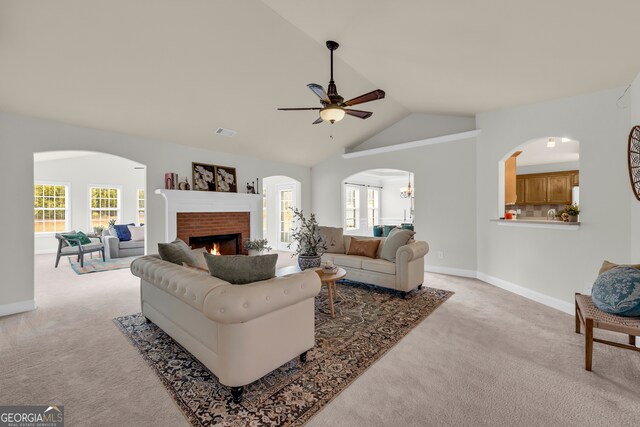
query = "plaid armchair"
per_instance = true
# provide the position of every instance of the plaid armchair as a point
(66, 247)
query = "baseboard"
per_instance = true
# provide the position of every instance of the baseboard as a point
(45, 251)
(556, 303)
(17, 307)
(450, 271)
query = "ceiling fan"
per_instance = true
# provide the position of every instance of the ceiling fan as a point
(333, 105)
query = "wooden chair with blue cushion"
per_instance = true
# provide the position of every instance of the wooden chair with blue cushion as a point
(75, 244)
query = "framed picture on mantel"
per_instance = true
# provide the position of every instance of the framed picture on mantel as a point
(226, 179)
(203, 177)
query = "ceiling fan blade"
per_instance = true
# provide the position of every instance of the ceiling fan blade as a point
(299, 109)
(359, 113)
(319, 90)
(367, 97)
(318, 120)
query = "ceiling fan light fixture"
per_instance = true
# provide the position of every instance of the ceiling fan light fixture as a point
(551, 143)
(332, 114)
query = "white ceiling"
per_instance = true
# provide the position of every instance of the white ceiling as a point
(537, 152)
(176, 72)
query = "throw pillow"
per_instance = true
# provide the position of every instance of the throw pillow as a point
(136, 233)
(364, 247)
(617, 291)
(606, 266)
(333, 238)
(176, 252)
(242, 269)
(396, 239)
(200, 263)
(122, 230)
(83, 238)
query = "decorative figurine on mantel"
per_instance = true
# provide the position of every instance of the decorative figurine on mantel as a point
(251, 188)
(184, 185)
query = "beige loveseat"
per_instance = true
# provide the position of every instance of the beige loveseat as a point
(406, 274)
(239, 332)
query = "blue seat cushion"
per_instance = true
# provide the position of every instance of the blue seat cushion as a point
(377, 231)
(122, 230)
(617, 291)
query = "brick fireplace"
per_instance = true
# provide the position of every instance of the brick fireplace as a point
(200, 229)
(209, 214)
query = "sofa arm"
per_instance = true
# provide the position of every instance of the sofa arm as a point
(241, 303)
(413, 250)
(111, 246)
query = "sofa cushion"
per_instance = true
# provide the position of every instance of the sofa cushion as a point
(352, 261)
(242, 269)
(131, 244)
(137, 233)
(333, 237)
(176, 252)
(122, 231)
(379, 266)
(394, 241)
(607, 265)
(364, 247)
(617, 291)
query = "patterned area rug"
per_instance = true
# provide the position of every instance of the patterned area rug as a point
(369, 321)
(96, 265)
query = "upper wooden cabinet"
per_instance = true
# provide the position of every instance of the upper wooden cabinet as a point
(546, 188)
(510, 194)
(536, 189)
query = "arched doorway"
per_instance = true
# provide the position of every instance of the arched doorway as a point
(83, 191)
(280, 194)
(377, 197)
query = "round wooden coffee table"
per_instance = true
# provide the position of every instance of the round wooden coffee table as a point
(330, 280)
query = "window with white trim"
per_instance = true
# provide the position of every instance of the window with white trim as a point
(50, 208)
(104, 202)
(351, 207)
(373, 207)
(141, 207)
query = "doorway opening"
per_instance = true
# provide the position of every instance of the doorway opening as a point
(281, 194)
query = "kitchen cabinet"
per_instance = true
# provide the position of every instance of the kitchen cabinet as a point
(535, 189)
(520, 190)
(546, 188)
(510, 194)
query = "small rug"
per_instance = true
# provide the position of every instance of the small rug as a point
(96, 265)
(369, 321)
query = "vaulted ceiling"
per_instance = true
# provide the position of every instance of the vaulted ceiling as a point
(176, 70)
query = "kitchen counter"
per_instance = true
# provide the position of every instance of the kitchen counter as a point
(538, 223)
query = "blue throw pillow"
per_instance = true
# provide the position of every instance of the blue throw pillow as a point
(617, 291)
(122, 230)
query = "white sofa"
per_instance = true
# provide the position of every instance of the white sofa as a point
(114, 248)
(404, 275)
(239, 332)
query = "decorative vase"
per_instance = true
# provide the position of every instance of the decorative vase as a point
(305, 261)
(254, 252)
(573, 218)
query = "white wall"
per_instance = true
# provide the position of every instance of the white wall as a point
(80, 173)
(417, 126)
(393, 206)
(551, 262)
(548, 167)
(21, 137)
(445, 196)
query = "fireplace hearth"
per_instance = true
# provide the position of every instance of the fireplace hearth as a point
(227, 244)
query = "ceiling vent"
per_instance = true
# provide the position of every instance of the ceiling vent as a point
(226, 132)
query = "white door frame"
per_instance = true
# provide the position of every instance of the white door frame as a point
(290, 186)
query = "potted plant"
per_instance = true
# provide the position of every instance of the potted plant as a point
(98, 229)
(309, 244)
(257, 246)
(572, 212)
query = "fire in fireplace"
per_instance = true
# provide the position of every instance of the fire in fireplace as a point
(224, 244)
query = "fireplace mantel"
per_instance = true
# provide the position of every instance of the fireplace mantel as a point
(209, 201)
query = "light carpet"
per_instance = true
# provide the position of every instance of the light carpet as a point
(368, 322)
(484, 358)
